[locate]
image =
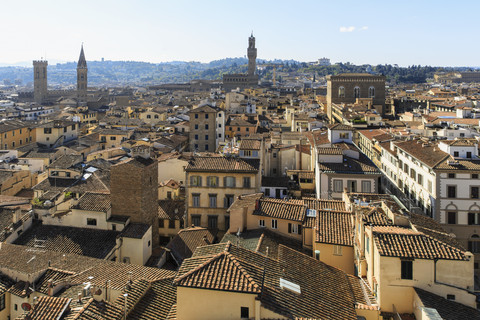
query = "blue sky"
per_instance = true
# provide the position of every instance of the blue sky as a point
(440, 33)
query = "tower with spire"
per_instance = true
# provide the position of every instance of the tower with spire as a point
(82, 82)
(252, 55)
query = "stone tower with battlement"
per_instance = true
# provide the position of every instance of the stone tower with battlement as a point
(134, 190)
(82, 82)
(252, 55)
(40, 87)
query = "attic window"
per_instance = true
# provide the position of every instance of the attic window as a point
(285, 284)
(311, 213)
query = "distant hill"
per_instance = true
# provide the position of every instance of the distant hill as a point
(111, 73)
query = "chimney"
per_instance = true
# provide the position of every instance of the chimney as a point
(79, 296)
(50, 287)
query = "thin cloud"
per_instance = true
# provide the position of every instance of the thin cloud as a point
(364, 28)
(347, 29)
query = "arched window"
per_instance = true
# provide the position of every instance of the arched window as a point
(356, 92)
(371, 92)
(341, 92)
(474, 244)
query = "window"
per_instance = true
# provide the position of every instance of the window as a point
(371, 92)
(212, 182)
(469, 154)
(405, 168)
(451, 175)
(171, 224)
(161, 223)
(474, 244)
(2, 302)
(413, 174)
(244, 314)
(451, 217)
(196, 200)
(420, 179)
(47, 130)
(337, 250)
(366, 186)
(229, 182)
(352, 186)
(341, 92)
(356, 92)
(451, 191)
(206, 115)
(195, 181)
(196, 220)
(206, 137)
(475, 176)
(169, 194)
(317, 255)
(261, 223)
(344, 135)
(15, 307)
(196, 115)
(430, 186)
(149, 116)
(91, 222)
(113, 138)
(246, 182)
(212, 200)
(212, 222)
(274, 155)
(451, 297)
(196, 127)
(337, 185)
(474, 192)
(473, 218)
(227, 222)
(196, 137)
(206, 127)
(228, 200)
(267, 192)
(456, 154)
(274, 224)
(367, 244)
(294, 228)
(407, 269)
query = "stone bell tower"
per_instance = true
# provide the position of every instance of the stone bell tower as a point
(40, 88)
(82, 82)
(252, 55)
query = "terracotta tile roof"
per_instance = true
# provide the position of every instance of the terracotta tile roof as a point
(363, 295)
(324, 290)
(222, 272)
(447, 309)
(135, 230)
(245, 200)
(48, 308)
(53, 275)
(293, 210)
(431, 155)
(66, 161)
(21, 289)
(91, 201)
(5, 284)
(302, 174)
(170, 183)
(375, 216)
(155, 303)
(250, 144)
(407, 243)
(187, 240)
(259, 240)
(334, 227)
(362, 165)
(370, 133)
(339, 126)
(330, 151)
(94, 310)
(171, 209)
(172, 315)
(460, 164)
(223, 164)
(323, 204)
(83, 241)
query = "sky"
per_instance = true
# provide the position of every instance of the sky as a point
(421, 32)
